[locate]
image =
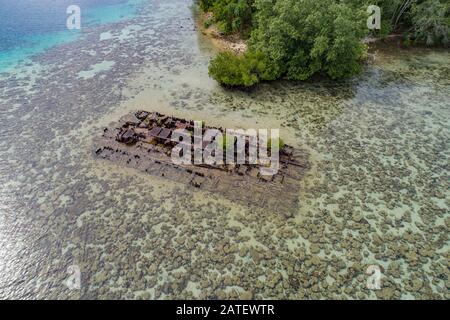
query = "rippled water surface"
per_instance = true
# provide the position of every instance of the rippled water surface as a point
(377, 193)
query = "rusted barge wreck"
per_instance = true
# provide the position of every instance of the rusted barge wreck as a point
(143, 140)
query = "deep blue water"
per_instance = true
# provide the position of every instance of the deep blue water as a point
(31, 26)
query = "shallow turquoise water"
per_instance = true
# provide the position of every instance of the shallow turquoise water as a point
(29, 28)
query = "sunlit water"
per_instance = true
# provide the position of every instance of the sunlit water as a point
(377, 193)
(30, 27)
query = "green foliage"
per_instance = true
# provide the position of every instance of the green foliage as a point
(303, 37)
(206, 5)
(231, 70)
(225, 142)
(208, 23)
(426, 21)
(296, 39)
(241, 71)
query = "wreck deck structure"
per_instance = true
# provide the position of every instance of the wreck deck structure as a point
(143, 140)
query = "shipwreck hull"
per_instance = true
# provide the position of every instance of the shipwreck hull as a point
(142, 140)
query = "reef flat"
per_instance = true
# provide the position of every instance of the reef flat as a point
(143, 140)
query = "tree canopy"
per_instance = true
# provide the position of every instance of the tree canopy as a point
(297, 39)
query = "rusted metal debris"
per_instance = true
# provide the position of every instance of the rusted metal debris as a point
(142, 140)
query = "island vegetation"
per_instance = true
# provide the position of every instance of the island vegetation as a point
(298, 39)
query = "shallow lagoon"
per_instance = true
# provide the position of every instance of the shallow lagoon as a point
(377, 193)
(32, 27)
